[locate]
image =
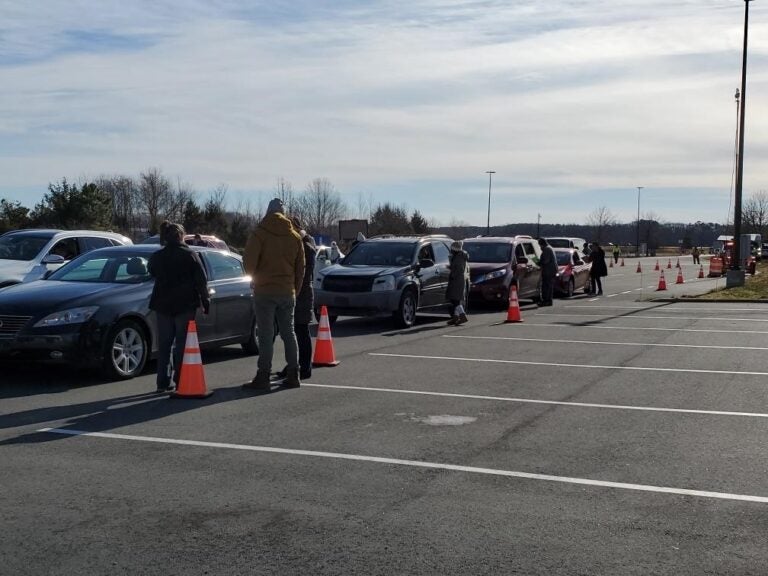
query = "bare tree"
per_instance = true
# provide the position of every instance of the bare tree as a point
(364, 206)
(125, 209)
(154, 189)
(284, 191)
(320, 207)
(214, 211)
(755, 214)
(600, 220)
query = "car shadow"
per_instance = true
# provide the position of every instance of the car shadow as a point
(107, 415)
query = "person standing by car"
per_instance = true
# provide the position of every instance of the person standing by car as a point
(599, 268)
(548, 262)
(457, 283)
(302, 316)
(274, 257)
(181, 287)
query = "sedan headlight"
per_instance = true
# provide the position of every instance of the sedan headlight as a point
(384, 283)
(71, 316)
(491, 275)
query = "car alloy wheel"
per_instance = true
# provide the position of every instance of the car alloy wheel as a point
(571, 287)
(126, 353)
(405, 316)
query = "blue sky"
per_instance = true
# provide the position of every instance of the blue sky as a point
(574, 103)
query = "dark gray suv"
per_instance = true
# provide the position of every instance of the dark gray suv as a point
(387, 275)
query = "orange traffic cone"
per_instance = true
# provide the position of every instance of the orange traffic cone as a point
(639, 269)
(611, 266)
(678, 263)
(680, 279)
(192, 380)
(513, 311)
(701, 271)
(662, 282)
(669, 264)
(324, 354)
(622, 261)
(656, 268)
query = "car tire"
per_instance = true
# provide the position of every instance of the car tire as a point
(126, 350)
(571, 288)
(251, 346)
(405, 315)
(331, 317)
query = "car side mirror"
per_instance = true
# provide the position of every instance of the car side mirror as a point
(426, 263)
(47, 273)
(53, 259)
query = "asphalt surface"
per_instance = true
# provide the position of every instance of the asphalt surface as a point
(610, 435)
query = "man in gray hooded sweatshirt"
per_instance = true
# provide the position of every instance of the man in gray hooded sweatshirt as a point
(274, 257)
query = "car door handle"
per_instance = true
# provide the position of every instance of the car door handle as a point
(211, 291)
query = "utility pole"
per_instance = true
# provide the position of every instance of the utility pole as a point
(488, 221)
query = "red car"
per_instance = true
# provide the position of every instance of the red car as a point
(572, 272)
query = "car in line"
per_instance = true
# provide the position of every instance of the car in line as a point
(94, 311)
(567, 242)
(207, 240)
(27, 255)
(498, 262)
(572, 272)
(387, 275)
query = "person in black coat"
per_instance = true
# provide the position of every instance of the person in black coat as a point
(305, 300)
(599, 268)
(181, 287)
(457, 283)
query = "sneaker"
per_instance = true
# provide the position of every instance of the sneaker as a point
(462, 319)
(291, 378)
(453, 321)
(600, 293)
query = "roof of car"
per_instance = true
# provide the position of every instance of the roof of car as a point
(497, 239)
(407, 238)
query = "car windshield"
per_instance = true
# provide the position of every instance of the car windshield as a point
(105, 269)
(559, 242)
(487, 252)
(21, 246)
(563, 258)
(383, 254)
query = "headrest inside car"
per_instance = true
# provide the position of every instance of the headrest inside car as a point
(136, 267)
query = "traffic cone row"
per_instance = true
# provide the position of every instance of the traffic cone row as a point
(611, 266)
(680, 279)
(701, 271)
(669, 264)
(513, 311)
(639, 268)
(656, 268)
(324, 354)
(622, 261)
(192, 376)
(678, 263)
(662, 282)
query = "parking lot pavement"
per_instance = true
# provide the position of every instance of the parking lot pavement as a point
(595, 437)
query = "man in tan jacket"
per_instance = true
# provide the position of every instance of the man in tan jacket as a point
(274, 257)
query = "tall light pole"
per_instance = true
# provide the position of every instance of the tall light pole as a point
(488, 221)
(638, 219)
(738, 278)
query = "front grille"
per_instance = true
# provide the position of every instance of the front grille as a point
(10, 325)
(348, 283)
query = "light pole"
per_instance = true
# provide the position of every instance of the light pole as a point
(538, 227)
(737, 279)
(488, 221)
(638, 219)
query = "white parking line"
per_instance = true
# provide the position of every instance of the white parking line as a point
(603, 343)
(419, 464)
(580, 326)
(548, 402)
(654, 317)
(563, 365)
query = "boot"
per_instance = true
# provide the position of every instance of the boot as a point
(453, 321)
(260, 382)
(291, 378)
(462, 319)
(279, 375)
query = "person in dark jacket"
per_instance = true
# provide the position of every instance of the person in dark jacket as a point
(181, 287)
(457, 283)
(305, 300)
(599, 268)
(548, 262)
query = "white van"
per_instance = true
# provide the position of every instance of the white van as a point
(567, 242)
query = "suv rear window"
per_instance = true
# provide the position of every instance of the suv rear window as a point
(559, 242)
(380, 254)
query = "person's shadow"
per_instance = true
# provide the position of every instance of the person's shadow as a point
(104, 415)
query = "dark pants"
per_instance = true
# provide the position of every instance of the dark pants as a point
(596, 285)
(171, 329)
(304, 341)
(547, 289)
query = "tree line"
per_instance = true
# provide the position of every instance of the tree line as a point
(135, 206)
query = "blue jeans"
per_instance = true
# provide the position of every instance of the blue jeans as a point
(268, 310)
(170, 329)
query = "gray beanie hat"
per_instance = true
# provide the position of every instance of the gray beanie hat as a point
(457, 245)
(275, 205)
